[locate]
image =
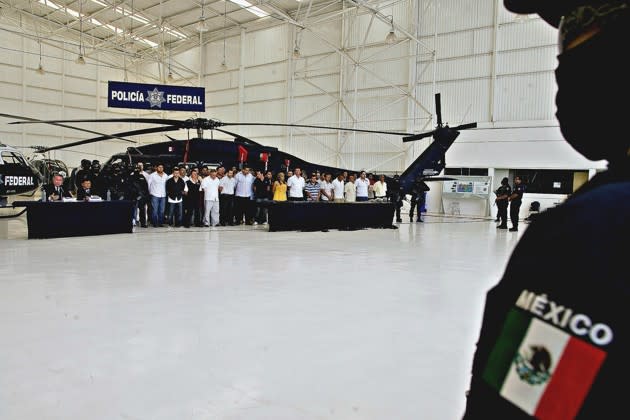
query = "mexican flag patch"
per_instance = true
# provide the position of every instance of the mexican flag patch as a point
(542, 369)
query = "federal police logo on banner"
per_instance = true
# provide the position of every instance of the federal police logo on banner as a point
(147, 96)
(156, 98)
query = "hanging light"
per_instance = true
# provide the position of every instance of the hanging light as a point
(170, 77)
(40, 69)
(80, 59)
(391, 39)
(296, 48)
(202, 25)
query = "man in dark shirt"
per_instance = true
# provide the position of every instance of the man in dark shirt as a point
(84, 193)
(261, 192)
(503, 193)
(82, 173)
(139, 191)
(56, 191)
(175, 187)
(395, 195)
(515, 199)
(193, 203)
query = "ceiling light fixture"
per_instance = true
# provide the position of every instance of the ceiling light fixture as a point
(296, 47)
(170, 77)
(40, 69)
(202, 25)
(250, 8)
(95, 22)
(80, 59)
(391, 39)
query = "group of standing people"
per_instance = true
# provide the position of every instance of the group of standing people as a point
(507, 196)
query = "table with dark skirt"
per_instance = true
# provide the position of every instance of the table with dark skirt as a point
(64, 219)
(323, 215)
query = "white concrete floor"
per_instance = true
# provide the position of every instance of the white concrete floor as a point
(241, 323)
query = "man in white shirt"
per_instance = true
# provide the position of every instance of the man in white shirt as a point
(243, 197)
(338, 188)
(380, 188)
(296, 185)
(362, 187)
(157, 190)
(183, 173)
(210, 188)
(226, 198)
(350, 190)
(327, 189)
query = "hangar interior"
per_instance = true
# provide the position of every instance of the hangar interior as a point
(189, 325)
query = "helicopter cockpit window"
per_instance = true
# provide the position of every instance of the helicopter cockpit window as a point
(10, 158)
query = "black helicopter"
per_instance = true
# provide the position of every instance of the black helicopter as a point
(244, 151)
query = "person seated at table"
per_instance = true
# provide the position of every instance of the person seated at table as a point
(84, 192)
(55, 191)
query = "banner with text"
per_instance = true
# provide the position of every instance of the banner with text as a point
(155, 97)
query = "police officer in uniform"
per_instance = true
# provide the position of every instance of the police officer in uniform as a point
(503, 193)
(418, 194)
(395, 195)
(99, 183)
(515, 199)
(138, 189)
(554, 341)
(117, 184)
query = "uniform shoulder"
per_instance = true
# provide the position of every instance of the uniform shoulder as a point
(600, 208)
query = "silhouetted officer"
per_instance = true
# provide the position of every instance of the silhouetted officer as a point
(515, 202)
(503, 193)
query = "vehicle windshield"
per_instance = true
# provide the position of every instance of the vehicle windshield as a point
(11, 158)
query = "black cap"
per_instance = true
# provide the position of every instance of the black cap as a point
(550, 10)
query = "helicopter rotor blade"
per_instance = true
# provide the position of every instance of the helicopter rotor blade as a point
(419, 136)
(99, 120)
(465, 126)
(438, 109)
(432, 132)
(222, 124)
(437, 178)
(28, 120)
(107, 137)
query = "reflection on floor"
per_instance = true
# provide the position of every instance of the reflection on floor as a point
(241, 323)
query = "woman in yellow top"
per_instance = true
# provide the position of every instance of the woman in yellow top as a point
(280, 188)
